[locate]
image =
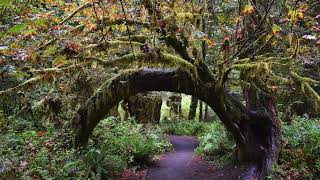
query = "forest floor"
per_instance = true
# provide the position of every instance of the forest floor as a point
(183, 164)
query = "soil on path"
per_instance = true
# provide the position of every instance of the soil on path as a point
(183, 164)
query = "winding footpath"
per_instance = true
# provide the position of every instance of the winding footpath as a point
(183, 164)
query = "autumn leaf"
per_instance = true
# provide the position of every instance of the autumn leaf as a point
(211, 43)
(248, 9)
(318, 43)
(41, 133)
(72, 48)
(300, 15)
(237, 19)
(58, 61)
(62, 87)
(2, 61)
(295, 15)
(274, 88)
(275, 29)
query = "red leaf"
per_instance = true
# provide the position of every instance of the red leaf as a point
(40, 133)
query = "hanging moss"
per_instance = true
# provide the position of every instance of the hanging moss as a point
(26, 84)
(134, 38)
(112, 44)
(153, 59)
(305, 86)
(183, 17)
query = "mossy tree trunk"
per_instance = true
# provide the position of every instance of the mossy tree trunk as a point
(146, 108)
(200, 111)
(174, 103)
(193, 107)
(206, 112)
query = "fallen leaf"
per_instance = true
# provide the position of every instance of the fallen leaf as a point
(41, 133)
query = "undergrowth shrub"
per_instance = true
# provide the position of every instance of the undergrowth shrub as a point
(216, 145)
(130, 141)
(300, 155)
(28, 151)
(188, 128)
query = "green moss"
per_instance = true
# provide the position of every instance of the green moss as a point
(134, 38)
(305, 86)
(153, 59)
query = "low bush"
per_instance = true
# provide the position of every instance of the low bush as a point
(216, 145)
(188, 128)
(300, 155)
(47, 153)
(133, 143)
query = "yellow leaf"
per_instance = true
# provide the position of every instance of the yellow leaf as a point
(210, 42)
(237, 19)
(275, 29)
(248, 9)
(300, 15)
(58, 61)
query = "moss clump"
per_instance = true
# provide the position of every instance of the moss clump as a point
(305, 86)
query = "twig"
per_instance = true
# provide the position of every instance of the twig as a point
(88, 4)
(256, 52)
(128, 30)
(63, 21)
(99, 23)
(264, 33)
(262, 20)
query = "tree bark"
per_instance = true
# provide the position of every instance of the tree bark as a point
(200, 111)
(193, 107)
(146, 108)
(206, 113)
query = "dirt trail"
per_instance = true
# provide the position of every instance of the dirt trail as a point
(182, 164)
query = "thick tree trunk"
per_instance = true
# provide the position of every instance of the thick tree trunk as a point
(265, 129)
(174, 103)
(146, 108)
(193, 107)
(255, 128)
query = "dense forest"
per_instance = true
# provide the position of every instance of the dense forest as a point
(160, 89)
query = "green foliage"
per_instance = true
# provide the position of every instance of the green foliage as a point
(46, 153)
(129, 141)
(17, 28)
(189, 128)
(300, 155)
(216, 145)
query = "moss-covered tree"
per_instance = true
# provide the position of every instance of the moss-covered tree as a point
(157, 46)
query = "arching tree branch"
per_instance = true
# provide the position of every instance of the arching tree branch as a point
(128, 83)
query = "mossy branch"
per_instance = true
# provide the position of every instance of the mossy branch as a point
(134, 38)
(86, 5)
(123, 21)
(305, 86)
(126, 84)
(42, 75)
(301, 80)
(154, 59)
(108, 44)
(28, 83)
